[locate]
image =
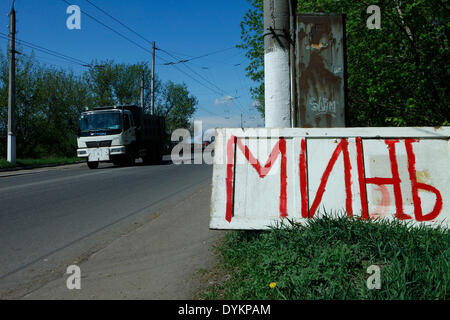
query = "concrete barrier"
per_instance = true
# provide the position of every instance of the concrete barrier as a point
(263, 175)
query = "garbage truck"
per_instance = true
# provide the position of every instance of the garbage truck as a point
(120, 134)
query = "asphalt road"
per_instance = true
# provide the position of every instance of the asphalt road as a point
(54, 217)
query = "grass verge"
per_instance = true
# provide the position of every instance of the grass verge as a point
(328, 259)
(36, 162)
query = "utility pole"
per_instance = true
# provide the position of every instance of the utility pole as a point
(152, 84)
(11, 152)
(276, 63)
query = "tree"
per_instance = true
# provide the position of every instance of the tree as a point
(177, 105)
(48, 103)
(252, 31)
(120, 83)
(397, 76)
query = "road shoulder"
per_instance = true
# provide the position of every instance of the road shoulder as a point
(159, 259)
(31, 170)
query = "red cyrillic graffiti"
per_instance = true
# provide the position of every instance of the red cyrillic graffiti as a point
(280, 147)
(229, 179)
(342, 147)
(418, 185)
(395, 180)
(361, 178)
(303, 179)
(363, 181)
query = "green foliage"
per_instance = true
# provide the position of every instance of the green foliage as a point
(397, 76)
(119, 83)
(176, 105)
(29, 163)
(328, 259)
(48, 102)
(252, 30)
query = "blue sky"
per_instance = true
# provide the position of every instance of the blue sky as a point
(185, 28)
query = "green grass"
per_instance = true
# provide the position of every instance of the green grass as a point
(328, 259)
(35, 162)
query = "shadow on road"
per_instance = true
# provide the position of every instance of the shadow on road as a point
(106, 166)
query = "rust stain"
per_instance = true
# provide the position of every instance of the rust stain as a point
(301, 35)
(423, 176)
(320, 85)
(317, 119)
(322, 82)
(329, 120)
(320, 30)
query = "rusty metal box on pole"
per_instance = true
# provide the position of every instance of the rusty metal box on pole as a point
(321, 70)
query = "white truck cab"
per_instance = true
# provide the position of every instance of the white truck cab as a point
(104, 134)
(119, 134)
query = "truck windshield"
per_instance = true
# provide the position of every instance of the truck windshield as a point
(99, 123)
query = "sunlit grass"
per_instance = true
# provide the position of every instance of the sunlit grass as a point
(328, 259)
(35, 162)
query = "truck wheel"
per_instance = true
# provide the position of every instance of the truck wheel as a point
(159, 157)
(156, 155)
(116, 161)
(129, 159)
(147, 159)
(92, 164)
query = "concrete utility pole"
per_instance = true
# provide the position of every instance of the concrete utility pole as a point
(152, 84)
(276, 63)
(11, 152)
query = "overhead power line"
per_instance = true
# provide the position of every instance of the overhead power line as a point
(195, 58)
(118, 21)
(112, 29)
(138, 45)
(149, 41)
(196, 80)
(220, 91)
(217, 91)
(193, 71)
(47, 60)
(47, 51)
(159, 49)
(142, 37)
